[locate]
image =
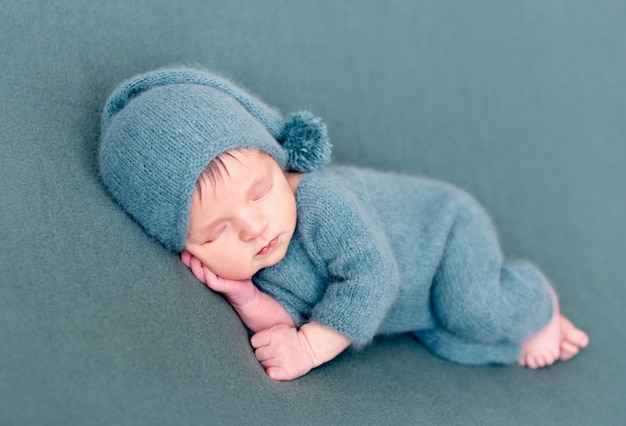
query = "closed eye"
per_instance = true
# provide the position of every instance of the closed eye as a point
(261, 191)
(215, 233)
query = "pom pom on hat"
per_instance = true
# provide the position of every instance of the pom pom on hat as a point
(306, 141)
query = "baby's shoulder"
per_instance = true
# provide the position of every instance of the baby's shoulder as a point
(332, 207)
(329, 194)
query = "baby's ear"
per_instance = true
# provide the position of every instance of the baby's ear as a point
(305, 139)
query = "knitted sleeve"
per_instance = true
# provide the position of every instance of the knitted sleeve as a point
(344, 236)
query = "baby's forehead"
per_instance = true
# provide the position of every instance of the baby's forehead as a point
(217, 172)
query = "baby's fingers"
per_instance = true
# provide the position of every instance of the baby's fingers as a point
(261, 339)
(197, 269)
(194, 264)
(203, 273)
(264, 353)
(209, 277)
(216, 283)
(185, 257)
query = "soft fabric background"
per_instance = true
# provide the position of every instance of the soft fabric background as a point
(521, 103)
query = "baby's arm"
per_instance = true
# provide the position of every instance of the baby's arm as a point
(257, 310)
(288, 353)
(284, 351)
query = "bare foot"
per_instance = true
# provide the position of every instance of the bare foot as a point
(559, 340)
(544, 347)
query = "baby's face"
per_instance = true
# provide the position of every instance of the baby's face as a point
(243, 221)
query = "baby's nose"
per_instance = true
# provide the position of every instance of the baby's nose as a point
(253, 225)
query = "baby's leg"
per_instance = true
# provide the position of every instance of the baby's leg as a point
(480, 296)
(465, 351)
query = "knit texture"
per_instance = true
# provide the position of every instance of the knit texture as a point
(377, 253)
(161, 129)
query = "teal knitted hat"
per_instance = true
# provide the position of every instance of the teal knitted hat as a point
(161, 129)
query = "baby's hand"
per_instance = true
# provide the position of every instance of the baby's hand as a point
(284, 352)
(238, 292)
(288, 353)
(257, 310)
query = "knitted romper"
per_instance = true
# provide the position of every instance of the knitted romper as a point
(377, 253)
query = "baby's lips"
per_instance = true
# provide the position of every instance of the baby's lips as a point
(268, 247)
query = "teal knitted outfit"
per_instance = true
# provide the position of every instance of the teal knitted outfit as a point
(372, 253)
(376, 253)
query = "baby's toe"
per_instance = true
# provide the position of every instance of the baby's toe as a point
(535, 362)
(573, 334)
(568, 351)
(579, 338)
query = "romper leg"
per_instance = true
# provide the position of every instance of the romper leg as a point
(464, 351)
(480, 296)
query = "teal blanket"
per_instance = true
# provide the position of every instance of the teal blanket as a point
(519, 103)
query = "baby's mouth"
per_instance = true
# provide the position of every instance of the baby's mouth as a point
(268, 247)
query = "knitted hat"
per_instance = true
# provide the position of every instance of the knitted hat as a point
(161, 129)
